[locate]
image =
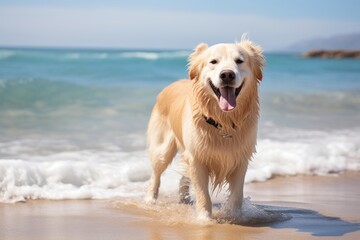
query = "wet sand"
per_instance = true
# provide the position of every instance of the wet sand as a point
(324, 207)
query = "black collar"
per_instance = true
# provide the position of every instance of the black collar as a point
(215, 124)
(212, 122)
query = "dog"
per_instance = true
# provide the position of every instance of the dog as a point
(212, 119)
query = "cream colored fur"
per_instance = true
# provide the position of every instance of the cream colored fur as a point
(178, 123)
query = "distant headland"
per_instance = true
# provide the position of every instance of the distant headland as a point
(332, 54)
(340, 46)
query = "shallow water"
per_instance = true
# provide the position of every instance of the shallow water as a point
(169, 212)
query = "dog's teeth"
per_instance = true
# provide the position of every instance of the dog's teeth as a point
(215, 89)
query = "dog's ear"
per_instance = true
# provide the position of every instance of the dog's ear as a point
(194, 61)
(256, 57)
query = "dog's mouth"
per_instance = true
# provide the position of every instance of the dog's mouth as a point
(226, 96)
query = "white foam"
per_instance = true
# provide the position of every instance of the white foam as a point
(154, 55)
(73, 56)
(55, 169)
(83, 175)
(4, 54)
(252, 214)
(170, 212)
(147, 55)
(305, 152)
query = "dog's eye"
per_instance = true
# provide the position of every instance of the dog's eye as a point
(214, 61)
(239, 61)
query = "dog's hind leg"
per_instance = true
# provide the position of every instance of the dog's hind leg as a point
(184, 190)
(162, 149)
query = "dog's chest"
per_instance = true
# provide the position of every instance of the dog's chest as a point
(208, 141)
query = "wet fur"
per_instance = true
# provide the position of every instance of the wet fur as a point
(177, 124)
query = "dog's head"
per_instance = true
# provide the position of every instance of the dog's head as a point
(224, 70)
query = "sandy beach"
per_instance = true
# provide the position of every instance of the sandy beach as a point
(323, 207)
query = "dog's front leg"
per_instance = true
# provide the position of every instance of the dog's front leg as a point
(236, 187)
(200, 180)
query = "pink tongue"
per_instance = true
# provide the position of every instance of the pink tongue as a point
(227, 100)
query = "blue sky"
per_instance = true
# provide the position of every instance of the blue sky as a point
(274, 24)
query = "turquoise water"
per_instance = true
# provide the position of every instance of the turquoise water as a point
(79, 116)
(83, 87)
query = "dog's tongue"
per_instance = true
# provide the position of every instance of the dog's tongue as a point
(227, 99)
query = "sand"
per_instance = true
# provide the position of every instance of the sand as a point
(325, 207)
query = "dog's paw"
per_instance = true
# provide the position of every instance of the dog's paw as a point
(229, 214)
(226, 217)
(150, 200)
(204, 217)
(186, 200)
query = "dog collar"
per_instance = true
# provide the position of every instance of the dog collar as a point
(217, 125)
(212, 122)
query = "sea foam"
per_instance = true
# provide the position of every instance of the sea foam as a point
(90, 55)
(154, 55)
(170, 212)
(104, 173)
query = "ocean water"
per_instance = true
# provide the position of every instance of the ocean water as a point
(73, 122)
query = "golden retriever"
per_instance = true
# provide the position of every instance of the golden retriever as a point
(212, 119)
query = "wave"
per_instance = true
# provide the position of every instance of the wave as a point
(4, 54)
(312, 102)
(347, 101)
(112, 172)
(63, 55)
(32, 93)
(155, 55)
(292, 152)
(35, 96)
(75, 175)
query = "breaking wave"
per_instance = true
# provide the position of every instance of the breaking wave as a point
(57, 55)
(113, 172)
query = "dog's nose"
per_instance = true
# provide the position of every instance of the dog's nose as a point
(227, 76)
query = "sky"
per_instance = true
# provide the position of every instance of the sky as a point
(157, 24)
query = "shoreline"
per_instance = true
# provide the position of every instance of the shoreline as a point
(321, 206)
